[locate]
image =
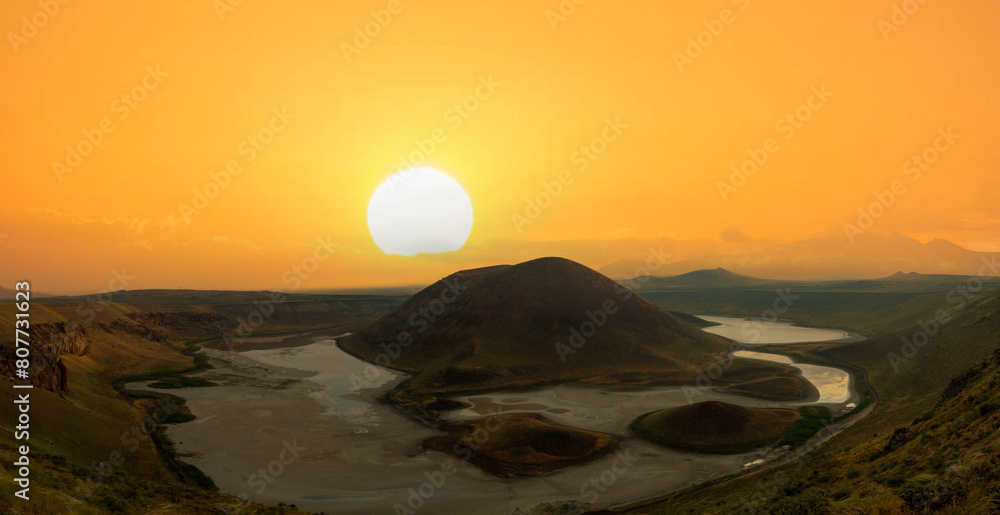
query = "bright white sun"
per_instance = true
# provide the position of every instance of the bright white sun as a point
(420, 211)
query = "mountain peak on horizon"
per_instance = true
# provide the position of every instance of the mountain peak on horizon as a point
(709, 278)
(899, 236)
(903, 275)
(718, 272)
(944, 244)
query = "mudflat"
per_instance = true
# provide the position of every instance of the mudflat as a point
(289, 424)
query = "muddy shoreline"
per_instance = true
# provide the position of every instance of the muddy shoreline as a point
(358, 453)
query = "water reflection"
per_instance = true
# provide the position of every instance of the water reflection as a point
(757, 332)
(834, 385)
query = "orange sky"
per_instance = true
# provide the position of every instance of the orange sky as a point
(203, 79)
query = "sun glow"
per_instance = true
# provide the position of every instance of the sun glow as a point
(420, 211)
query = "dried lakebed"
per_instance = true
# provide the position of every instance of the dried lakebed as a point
(298, 425)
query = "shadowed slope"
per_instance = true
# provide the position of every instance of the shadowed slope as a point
(544, 320)
(715, 427)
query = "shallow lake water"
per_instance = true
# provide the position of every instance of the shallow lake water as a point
(341, 377)
(834, 384)
(360, 454)
(755, 332)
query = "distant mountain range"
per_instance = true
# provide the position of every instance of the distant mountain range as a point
(868, 306)
(871, 256)
(7, 294)
(717, 278)
(720, 278)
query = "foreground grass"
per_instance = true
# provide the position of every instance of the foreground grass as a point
(100, 448)
(931, 444)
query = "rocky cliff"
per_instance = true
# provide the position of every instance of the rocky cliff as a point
(48, 343)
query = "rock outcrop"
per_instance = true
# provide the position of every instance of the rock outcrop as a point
(48, 343)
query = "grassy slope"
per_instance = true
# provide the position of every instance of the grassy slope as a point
(872, 307)
(71, 431)
(693, 320)
(950, 448)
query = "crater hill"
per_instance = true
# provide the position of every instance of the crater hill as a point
(715, 427)
(541, 321)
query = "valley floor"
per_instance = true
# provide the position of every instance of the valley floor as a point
(355, 453)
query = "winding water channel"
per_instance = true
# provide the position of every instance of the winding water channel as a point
(296, 425)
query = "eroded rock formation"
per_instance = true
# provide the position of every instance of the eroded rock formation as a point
(48, 343)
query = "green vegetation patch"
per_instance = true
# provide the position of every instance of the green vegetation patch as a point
(813, 419)
(181, 382)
